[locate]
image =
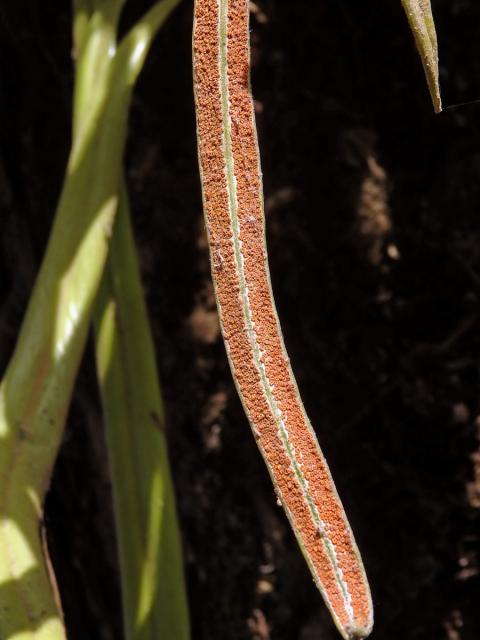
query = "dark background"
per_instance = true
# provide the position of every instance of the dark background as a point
(373, 208)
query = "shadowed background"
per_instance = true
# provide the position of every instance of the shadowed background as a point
(373, 208)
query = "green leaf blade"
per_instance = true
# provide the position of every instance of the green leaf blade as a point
(420, 18)
(153, 589)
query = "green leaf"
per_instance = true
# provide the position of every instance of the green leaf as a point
(36, 388)
(149, 547)
(420, 18)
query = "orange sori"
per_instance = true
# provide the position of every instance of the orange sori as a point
(233, 205)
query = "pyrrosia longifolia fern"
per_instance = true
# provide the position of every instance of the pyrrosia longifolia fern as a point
(233, 205)
(420, 18)
(36, 388)
(153, 590)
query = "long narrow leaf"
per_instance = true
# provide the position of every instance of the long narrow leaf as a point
(420, 18)
(148, 537)
(234, 216)
(36, 389)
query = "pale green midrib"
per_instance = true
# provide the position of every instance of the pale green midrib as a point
(233, 210)
(426, 13)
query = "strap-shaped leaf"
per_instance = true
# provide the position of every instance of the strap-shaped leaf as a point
(36, 388)
(234, 212)
(150, 557)
(420, 18)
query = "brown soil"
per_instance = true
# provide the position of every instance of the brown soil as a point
(372, 209)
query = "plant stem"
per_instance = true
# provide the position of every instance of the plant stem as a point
(36, 389)
(153, 588)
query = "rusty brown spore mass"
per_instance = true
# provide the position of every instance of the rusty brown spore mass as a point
(254, 343)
